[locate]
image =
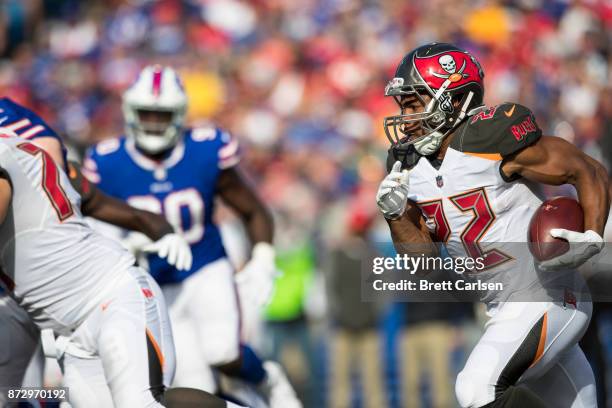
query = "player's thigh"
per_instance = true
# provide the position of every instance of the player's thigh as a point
(192, 370)
(212, 305)
(86, 382)
(134, 346)
(35, 373)
(19, 339)
(564, 326)
(569, 383)
(521, 340)
(159, 328)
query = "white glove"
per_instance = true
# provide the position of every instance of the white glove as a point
(256, 280)
(392, 194)
(583, 245)
(174, 248)
(135, 241)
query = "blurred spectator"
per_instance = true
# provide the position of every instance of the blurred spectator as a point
(288, 338)
(355, 343)
(428, 340)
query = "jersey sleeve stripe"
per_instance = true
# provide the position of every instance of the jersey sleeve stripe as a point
(488, 156)
(92, 176)
(90, 164)
(229, 162)
(32, 132)
(18, 125)
(229, 150)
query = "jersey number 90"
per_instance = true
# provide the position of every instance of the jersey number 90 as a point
(192, 228)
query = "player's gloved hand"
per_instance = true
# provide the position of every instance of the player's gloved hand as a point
(135, 242)
(256, 280)
(392, 194)
(583, 245)
(174, 249)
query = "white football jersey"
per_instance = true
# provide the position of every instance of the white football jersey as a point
(53, 264)
(471, 208)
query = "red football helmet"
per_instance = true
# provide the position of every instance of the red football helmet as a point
(448, 83)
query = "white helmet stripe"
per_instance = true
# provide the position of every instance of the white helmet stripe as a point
(465, 105)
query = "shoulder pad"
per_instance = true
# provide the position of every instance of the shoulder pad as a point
(24, 122)
(229, 151)
(89, 167)
(499, 130)
(221, 144)
(201, 134)
(107, 146)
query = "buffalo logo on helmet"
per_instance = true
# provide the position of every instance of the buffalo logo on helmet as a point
(448, 64)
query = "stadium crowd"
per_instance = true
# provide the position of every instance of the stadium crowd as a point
(300, 83)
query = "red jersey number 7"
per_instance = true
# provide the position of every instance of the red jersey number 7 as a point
(51, 181)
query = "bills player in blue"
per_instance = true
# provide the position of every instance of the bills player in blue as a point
(163, 167)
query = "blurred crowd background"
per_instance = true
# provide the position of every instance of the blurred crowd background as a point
(300, 83)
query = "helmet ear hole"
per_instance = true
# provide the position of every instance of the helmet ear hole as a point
(437, 118)
(457, 99)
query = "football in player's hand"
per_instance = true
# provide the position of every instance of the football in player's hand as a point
(558, 212)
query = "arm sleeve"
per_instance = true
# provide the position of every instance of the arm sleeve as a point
(89, 168)
(520, 131)
(229, 150)
(503, 129)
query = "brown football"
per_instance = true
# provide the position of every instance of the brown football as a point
(558, 212)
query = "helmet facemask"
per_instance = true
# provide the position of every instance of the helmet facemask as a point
(154, 130)
(424, 129)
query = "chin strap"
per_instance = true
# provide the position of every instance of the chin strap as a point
(408, 156)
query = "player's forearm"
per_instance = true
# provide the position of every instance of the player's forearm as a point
(119, 213)
(239, 196)
(554, 161)
(152, 225)
(6, 193)
(592, 185)
(409, 239)
(259, 225)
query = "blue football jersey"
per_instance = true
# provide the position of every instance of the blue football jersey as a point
(25, 123)
(182, 187)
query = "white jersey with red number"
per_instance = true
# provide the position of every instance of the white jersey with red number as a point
(54, 265)
(470, 206)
